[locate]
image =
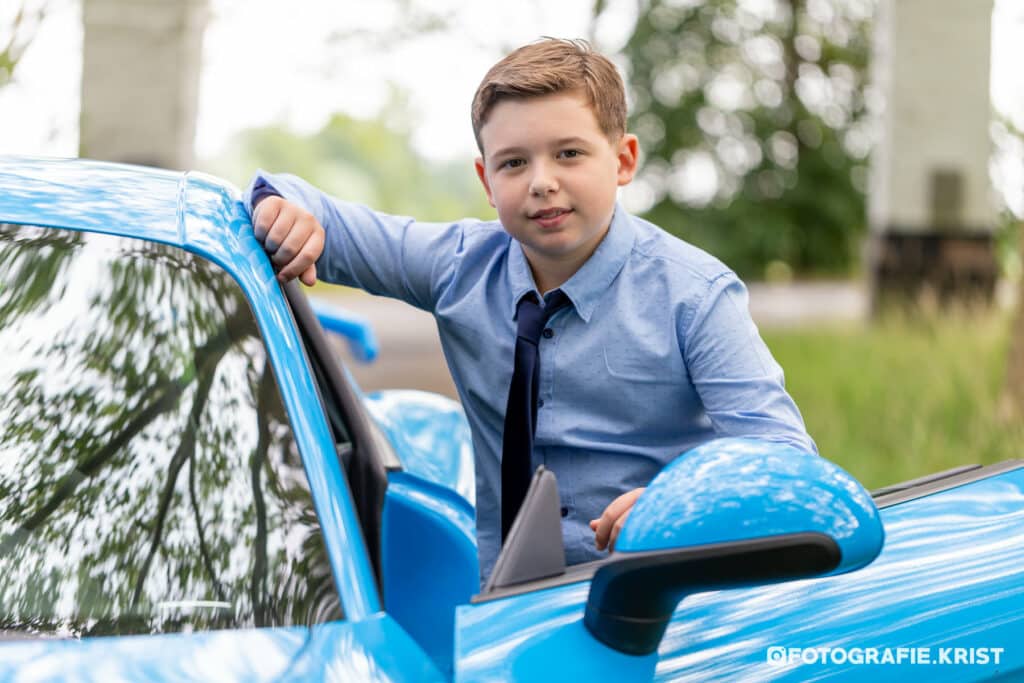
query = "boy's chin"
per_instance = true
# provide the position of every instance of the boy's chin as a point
(553, 249)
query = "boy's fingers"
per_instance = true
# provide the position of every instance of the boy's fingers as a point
(308, 276)
(604, 528)
(604, 524)
(291, 246)
(303, 260)
(610, 516)
(291, 236)
(617, 528)
(264, 216)
(279, 231)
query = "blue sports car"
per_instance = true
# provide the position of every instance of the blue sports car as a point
(192, 487)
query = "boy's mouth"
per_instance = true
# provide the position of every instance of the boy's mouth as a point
(550, 218)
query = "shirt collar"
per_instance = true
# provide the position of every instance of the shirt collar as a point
(520, 277)
(586, 287)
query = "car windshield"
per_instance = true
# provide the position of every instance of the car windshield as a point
(149, 481)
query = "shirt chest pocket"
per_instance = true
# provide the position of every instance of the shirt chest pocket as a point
(630, 364)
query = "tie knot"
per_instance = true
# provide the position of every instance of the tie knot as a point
(532, 316)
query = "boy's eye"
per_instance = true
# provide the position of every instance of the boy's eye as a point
(512, 163)
(569, 153)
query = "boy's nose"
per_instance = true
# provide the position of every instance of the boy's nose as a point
(542, 183)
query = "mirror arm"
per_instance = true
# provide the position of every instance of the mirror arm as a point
(633, 597)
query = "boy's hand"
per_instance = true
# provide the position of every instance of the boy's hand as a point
(607, 528)
(291, 235)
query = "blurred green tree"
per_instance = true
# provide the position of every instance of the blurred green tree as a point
(751, 117)
(18, 25)
(369, 161)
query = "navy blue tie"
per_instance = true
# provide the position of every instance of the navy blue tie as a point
(521, 412)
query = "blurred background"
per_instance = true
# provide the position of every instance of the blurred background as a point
(860, 163)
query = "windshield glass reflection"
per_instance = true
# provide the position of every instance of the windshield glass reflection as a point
(149, 481)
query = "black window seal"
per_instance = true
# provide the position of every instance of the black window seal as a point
(940, 481)
(367, 465)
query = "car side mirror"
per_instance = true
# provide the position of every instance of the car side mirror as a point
(355, 329)
(730, 513)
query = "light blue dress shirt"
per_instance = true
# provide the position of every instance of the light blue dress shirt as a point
(656, 355)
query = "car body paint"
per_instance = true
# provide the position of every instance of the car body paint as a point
(429, 561)
(428, 515)
(355, 329)
(430, 436)
(951, 574)
(740, 489)
(374, 649)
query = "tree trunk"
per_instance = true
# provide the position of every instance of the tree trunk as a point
(140, 80)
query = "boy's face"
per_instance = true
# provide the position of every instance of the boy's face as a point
(552, 174)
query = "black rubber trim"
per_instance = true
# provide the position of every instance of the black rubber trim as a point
(920, 481)
(576, 573)
(368, 461)
(585, 572)
(942, 481)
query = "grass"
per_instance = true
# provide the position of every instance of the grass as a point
(900, 398)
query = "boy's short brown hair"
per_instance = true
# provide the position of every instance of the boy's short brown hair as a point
(549, 66)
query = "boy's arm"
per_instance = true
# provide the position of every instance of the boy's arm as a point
(313, 235)
(739, 382)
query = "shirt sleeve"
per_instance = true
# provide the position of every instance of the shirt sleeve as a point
(739, 382)
(393, 256)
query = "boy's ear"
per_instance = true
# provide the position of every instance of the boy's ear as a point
(481, 173)
(629, 158)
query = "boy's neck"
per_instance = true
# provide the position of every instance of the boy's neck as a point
(549, 278)
(551, 273)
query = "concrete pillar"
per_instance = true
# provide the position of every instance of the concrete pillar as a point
(140, 80)
(929, 206)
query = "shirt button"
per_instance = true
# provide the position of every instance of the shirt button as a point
(540, 403)
(565, 511)
(548, 333)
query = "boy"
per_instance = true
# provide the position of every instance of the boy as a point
(643, 347)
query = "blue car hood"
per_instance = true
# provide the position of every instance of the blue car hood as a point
(375, 649)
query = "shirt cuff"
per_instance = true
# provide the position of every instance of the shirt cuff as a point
(261, 189)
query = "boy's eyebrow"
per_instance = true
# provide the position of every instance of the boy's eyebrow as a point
(573, 140)
(505, 151)
(561, 142)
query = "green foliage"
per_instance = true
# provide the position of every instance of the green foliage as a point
(367, 161)
(18, 25)
(751, 120)
(901, 399)
(1009, 146)
(1008, 251)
